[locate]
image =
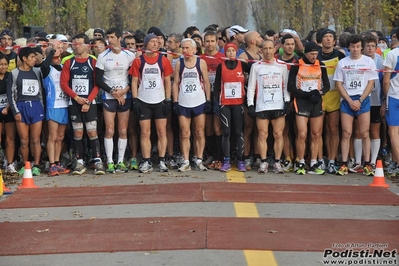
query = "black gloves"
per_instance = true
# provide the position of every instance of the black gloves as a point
(216, 108)
(167, 107)
(251, 111)
(176, 108)
(136, 106)
(208, 107)
(287, 108)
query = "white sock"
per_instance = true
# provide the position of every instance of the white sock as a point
(375, 148)
(109, 149)
(332, 162)
(312, 162)
(122, 143)
(357, 146)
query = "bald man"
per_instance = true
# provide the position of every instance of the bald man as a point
(253, 40)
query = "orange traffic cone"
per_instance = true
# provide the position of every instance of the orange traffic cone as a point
(379, 179)
(27, 179)
(5, 189)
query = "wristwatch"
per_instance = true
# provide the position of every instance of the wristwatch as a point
(360, 100)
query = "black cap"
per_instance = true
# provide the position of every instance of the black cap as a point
(326, 31)
(156, 31)
(99, 31)
(41, 34)
(6, 32)
(311, 47)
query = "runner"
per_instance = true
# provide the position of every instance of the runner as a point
(24, 93)
(213, 128)
(230, 94)
(308, 82)
(6, 38)
(78, 82)
(330, 56)
(288, 56)
(355, 85)
(6, 117)
(391, 103)
(191, 98)
(267, 81)
(151, 89)
(112, 77)
(56, 107)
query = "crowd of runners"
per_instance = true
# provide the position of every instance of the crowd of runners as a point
(118, 101)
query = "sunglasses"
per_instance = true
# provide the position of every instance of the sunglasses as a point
(220, 38)
(56, 57)
(139, 45)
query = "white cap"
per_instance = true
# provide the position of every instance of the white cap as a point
(62, 38)
(233, 30)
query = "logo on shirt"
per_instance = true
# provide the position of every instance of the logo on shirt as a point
(85, 69)
(239, 75)
(151, 71)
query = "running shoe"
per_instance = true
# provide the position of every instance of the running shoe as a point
(145, 167)
(316, 169)
(208, 160)
(288, 166)
(171, 163)
(21, 171)
(248, 166)
(391, 168)
(225, 167)
(322, 165)
(332, 169)
(199, 166)
(162, 167)
(111, 168)
(343, 170)
(184, 167)
(53, 170)
(133, 164)
(121, 168)
(368, 170)
(215, 165)
(356, 168)
(11, 169)
(80, 169)
(256, 163)
(241, 166)
(62, 170)
(35, 171)
(278, 169)
(300, 169)
(99, 168)
(263, 167)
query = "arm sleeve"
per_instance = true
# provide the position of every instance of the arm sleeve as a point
(218, 82)
(252, 85)
(99, 80)
(12, 93)
(65, 77)
(324, 77)
(45, 67)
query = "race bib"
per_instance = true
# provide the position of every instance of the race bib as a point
(80, 86)
(30, 87)
(116, 84)
(272, 93)
(3, 100)
(212, 76)
(190, 85)
(232, 90)
(309, 85)
(152, 82)
(354, 81)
